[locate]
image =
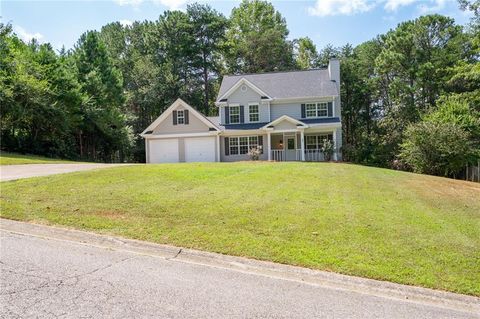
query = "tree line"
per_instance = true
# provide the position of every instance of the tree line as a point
(410, 97)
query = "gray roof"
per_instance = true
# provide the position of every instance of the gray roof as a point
(244, 126)
(321, 120)
(279, 85)
(255, 126)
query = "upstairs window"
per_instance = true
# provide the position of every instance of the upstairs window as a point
(234, 114)
(253, 113)
(322, 109)
(311, 110)
(317, 109)
(181, 117)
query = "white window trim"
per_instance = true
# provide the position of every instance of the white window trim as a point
(230, 106)
(318, 138)
(258, 112)
(317, 109)
(238, 143)
(181, 117)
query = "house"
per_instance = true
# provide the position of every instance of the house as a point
(288, 115)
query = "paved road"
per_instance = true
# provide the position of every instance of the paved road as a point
(53, 278)
(12, 172)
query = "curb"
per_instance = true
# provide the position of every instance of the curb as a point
(263, 268)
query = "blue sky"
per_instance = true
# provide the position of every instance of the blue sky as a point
(334, 22)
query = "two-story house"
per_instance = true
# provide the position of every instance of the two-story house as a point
(288, 115)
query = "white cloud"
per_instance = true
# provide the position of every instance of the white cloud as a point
(393, 5)
(340, 7)
(435, 6)
(126, 22)
(26, 36)
(170, 4)
(128, 2)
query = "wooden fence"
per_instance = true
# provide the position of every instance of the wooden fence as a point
(472, 173)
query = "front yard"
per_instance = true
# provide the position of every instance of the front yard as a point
(7, 158)
(363, 221)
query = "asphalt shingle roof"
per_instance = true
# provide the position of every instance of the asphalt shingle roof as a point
(278, 85)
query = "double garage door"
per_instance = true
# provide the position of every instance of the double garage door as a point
(193, 149)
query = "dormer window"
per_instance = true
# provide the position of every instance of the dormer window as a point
(234, 114)
(181, 117)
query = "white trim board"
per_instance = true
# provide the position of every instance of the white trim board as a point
(238, 84)
(170, 109)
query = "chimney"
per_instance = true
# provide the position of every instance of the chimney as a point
(334, 71)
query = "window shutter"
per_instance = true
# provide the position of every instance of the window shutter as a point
(227, 146)
(260, 143)
(174, 117)
(330, 109)
(227, 115)
(185, 116)
(303, 111)
(242, 114)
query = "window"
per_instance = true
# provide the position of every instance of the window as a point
(181, 117)
(316, 109)
(242, 144)
(311, 110)
(322, 109)
(233, 145)
(311, 141)
(253, 112)
(234, 114)
(315, 142)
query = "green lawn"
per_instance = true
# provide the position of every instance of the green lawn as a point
(363, 221)
(15, 159)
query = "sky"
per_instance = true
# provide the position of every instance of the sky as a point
(335, 22)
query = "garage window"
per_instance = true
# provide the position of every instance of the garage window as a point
(180, 117)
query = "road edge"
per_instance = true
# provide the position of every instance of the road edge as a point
(331, 280)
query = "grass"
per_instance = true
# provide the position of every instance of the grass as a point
(16, 159)
(364, 221)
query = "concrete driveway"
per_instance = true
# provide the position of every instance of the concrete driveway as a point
(48, 272)
(12, 172)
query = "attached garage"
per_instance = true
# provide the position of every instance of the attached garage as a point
(200, 149)
(181, 134)
(163, 150)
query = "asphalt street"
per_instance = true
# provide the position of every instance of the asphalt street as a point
(52, 278)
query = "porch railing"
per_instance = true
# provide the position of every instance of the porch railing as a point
(310, 155)
(314, 156)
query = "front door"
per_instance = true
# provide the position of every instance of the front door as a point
(290, 152)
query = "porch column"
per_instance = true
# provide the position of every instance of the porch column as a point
(302, 144)
(335, 157)
(269, 147)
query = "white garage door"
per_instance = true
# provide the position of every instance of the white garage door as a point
(200, 149)
(163, 151)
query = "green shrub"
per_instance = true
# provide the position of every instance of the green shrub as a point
(436, 148)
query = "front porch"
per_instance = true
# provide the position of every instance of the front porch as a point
(301, 146)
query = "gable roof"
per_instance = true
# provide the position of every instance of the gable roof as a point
(283, 85)
(237, 84)
(284, 118)
(166, 113)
